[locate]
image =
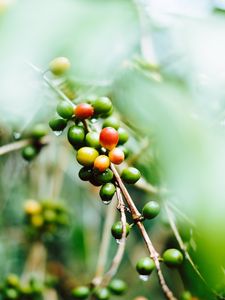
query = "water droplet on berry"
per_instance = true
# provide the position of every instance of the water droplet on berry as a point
(106, 202)
(58, 133)
(144, 277)
(118, 241)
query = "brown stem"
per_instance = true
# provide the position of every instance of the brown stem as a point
(137, 216)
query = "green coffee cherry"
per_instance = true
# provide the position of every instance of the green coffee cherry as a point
(130, 175)
(173, 257)
(49, 215)
(65, 110)
(12, 280)
(39, 131)
(145, 266)
(81, 292)
(117, 287)
(105, 176)
(29, 152)
(111, 122)
(102, 293)
(59, 65)
(76, 135)
(86, 156)
(92, 139)
(93, 180)
(107, 191)
(85, 173)
(11, 294)
(186, 295)
(117, 230)
(101, 105)
(151, 210)
(57, 124)
(123, 136)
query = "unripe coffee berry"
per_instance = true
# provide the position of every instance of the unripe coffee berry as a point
(65, 109)
(151, 210)
(109, 138)
(29, 152)
(76, 135)
(145, 266)
(101, 163)
(59, 65)
(123, 136)
(117, 230)
(173, 257)
(107, 191)
(92, 139)
(86, 156)
(81, 292)
(83, 111)
(57, 124)
(117, 287)
(105, 176)
(130, 175)
(39, 131)
(102, 293)
(111, 122)
(116, 156)
(85, 173)
(102, 105)
(186, 295)
(11, 294)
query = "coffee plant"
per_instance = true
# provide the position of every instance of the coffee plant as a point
(112, 175)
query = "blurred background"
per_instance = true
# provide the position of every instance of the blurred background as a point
(163, 65)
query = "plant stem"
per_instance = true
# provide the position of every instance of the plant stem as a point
(136, 217)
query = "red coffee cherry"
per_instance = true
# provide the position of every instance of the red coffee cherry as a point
(116, 156)
(109, 138)
(101, 163)
(83, 111)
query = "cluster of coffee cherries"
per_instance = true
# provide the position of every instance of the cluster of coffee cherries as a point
(116, 287)
(30, 151)
(46, 217)
(12, 288)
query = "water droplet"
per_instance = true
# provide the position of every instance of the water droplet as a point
(58, 133)
(118, 241)
(106, 202)
(144, 277)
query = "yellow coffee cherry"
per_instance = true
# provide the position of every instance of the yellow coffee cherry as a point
(86, 156)
(37, 220)
(32, 207)
(59, 65)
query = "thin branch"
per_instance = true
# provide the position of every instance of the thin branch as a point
(121, 248)
(137, 218)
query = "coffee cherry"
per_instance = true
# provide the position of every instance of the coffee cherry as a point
(109, 138)
(59, 65)
(12, 280)
(32, 207)
(107, 191)
(29, 152)
(123, 136)
(39, 131)
(130, 175)
(94, 181)
(92, 139)
(186, 295)
(145, 266)
(151, 210)
(140, 298)
(76, 135)
(117, 230)
(65, 109)
(111, 122)
(105, 176)
(86, 156)
(80, 292)
(49, 216)
(37, 220)
(101, 163)
(83, 111)
(117, 287)
(102, 293)
(172, 257)
(57, 124)
(102, 105)
(85, 173)
(116, 156)
(11, 294)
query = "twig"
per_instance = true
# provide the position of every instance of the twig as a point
(121, 248)
(137, 218)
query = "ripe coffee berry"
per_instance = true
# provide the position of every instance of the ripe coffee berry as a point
(109, 138)
(83, 111)
(111, 122)
(151, 210)
(145, 266)
(85, 173)
(59, 65)
(130, 175)
(117, 230)
(76, 135)
(57, 124)
(81, 292)
(92, 139)
(102, 293)
(173, 257)
(86, 156)
(102, 105)
(65, 109)
(116, 156)
(123, 136)
(101, 163)
(39, 131)
(107, 191)
(29, 152)
(117, 287)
